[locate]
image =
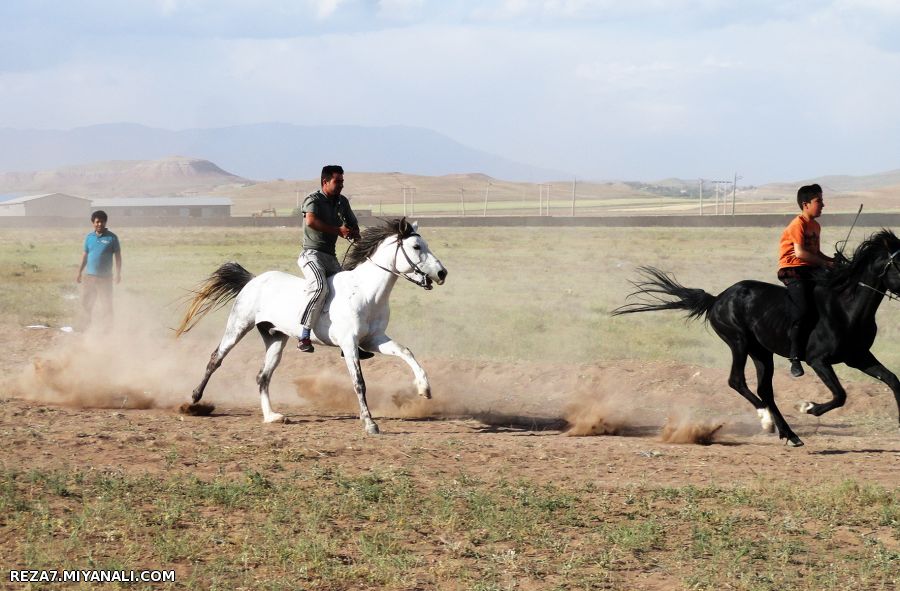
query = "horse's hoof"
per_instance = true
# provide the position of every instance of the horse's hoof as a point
(794, 442)
(372, 429)
(196, 396)
(196, 410)
(276, 417)
(805, 407)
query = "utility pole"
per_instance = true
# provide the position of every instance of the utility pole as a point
(734, 190)
(574, 180)
(541, 208)
(719, 191)
(409, 193)
(462, 201)
(486, 191)
(701, 195)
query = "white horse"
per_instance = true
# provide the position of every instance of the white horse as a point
(355, 314)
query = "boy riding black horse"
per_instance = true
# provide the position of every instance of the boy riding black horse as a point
(799, 263)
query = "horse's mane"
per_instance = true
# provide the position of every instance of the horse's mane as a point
(373, 236)
(847, 275)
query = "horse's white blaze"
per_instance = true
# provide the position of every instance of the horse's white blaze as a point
(765, 418)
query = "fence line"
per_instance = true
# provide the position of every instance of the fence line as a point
(366, 219)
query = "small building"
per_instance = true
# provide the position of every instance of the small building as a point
(164, 207)
(50, 205)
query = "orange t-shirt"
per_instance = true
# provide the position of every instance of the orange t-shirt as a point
(802, 231)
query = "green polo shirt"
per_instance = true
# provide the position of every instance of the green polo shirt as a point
(334, 211)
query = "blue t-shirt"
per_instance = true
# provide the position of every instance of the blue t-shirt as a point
(100, 251)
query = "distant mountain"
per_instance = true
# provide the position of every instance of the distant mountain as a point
(845, 183)
(119, 178)
(263, 151)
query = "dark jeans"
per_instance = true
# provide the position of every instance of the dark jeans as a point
(800, 283)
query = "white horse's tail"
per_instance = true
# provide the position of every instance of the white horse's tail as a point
(219, 288)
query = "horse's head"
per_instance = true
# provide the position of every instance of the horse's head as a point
(875, 264)
(891, 271)
(414, 259)
(398, 248)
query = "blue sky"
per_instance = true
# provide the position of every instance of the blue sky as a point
(639, 89)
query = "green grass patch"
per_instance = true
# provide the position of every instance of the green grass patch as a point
(324, 529)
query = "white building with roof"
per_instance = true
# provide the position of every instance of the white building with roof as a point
(49, 204)
(158, 207)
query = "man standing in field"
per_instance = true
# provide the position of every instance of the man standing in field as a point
(100, 248)
(326, 215)
(800, 259)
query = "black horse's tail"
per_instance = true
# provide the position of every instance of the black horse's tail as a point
(219, 288)
(652, 290)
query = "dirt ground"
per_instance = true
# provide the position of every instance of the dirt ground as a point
(487, 419)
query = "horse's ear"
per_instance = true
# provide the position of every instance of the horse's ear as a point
(403, 227)
(415, 226)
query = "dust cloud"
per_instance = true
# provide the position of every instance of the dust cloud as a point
(134, 364)
(332, 391)
(138, 364)
(592, 414)
(611, 403)
(686, 430)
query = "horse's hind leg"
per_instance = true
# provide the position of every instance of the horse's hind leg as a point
(274, 347)
(765, 369)
(234, 332)
(738, 382)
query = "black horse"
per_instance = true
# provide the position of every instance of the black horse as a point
(752, 318)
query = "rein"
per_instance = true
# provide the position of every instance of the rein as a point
(346, 252)
(421, 282)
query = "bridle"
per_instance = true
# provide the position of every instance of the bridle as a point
(422, 280)
(891, 262)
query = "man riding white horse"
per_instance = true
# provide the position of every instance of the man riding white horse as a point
(326, 215)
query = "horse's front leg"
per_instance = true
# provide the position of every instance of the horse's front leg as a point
(386, 346)
(868, 364)
(830, 379)
(351, 356)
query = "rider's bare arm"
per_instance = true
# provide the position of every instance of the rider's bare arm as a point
(319, 226)
(813, 258)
